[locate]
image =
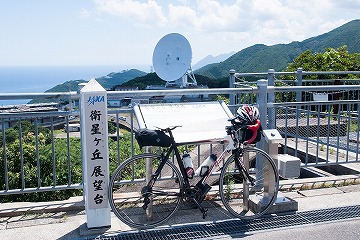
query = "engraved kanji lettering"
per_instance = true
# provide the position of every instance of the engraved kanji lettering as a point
(98, 199)
(95, 115)
(97, 185)
(96, 155)
(97, 172)
(97, 140)
(95, 129)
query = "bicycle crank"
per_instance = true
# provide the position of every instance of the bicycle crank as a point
(193, 197)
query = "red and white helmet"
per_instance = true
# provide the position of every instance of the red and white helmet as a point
(248, 114)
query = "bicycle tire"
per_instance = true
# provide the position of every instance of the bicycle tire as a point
(126, 187)
(239, 197)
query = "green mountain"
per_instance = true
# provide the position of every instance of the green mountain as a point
(260, 58)
(153, 79)
(118, 78)
(107, 82)
(67, 86)
(143, 81)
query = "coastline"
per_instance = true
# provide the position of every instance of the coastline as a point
(38, 79)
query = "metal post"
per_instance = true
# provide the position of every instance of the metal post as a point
(232, 85)
(298, 99)
(272, 140)
(246, 189)
(271, 98)
(298, 83)
(80, 86)
(262, 85)
(262, 103)
(148, 166)
(269, 182)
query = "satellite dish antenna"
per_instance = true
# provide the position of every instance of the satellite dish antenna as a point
(172, 57)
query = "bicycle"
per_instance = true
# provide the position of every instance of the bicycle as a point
(248, 181)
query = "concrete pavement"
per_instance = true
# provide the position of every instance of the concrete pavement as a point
(67, 220)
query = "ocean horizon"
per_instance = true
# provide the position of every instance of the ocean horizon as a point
(38, 79)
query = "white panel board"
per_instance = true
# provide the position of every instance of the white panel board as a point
(199, 121)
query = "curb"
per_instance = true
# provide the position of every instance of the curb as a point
(22, 208)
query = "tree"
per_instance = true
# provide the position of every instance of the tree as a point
(54, 161)
(331, 60)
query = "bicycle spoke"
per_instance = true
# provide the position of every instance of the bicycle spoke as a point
(134, 202)
(249, 197)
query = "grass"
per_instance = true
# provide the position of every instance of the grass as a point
(332, 151)
(322, 147)
(229, 186)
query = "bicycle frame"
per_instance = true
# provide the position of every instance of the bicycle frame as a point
(165, 157)
(231, 146)
(169, 185)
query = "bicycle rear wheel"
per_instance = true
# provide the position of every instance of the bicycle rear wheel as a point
(137, 205)
(249, 199)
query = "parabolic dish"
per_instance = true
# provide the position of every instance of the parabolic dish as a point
(172, 57)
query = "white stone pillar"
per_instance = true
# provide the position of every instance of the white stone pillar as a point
(95, 154)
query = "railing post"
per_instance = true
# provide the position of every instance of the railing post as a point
(298, 83)
(271, 98)
(149, 170)
(232, 85)
(298, 99)
(262, 85)
(95, 154)
(80, 86)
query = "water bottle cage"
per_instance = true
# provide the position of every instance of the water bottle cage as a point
(204, 171)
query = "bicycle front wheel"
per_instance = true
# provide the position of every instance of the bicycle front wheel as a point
(137, 204)
(249, 195)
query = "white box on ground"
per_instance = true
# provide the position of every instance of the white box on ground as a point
(288, 166)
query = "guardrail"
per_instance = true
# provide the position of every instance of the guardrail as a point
(321, 133)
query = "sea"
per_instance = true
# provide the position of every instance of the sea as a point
(38, 79)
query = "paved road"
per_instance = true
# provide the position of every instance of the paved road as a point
(67, 220)
(339, 230)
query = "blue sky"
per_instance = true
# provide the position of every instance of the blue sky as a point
(125, 32)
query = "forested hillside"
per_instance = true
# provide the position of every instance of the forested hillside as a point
(260, 58)
(153, 79)
(107, 82)
(257, 58)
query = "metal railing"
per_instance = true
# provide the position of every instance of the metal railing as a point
(320, 114)
(37, 157)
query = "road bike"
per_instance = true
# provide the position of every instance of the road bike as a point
(147, 189)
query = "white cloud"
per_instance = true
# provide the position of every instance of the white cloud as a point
(228, 16)
(135, 11)
(234, 24)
